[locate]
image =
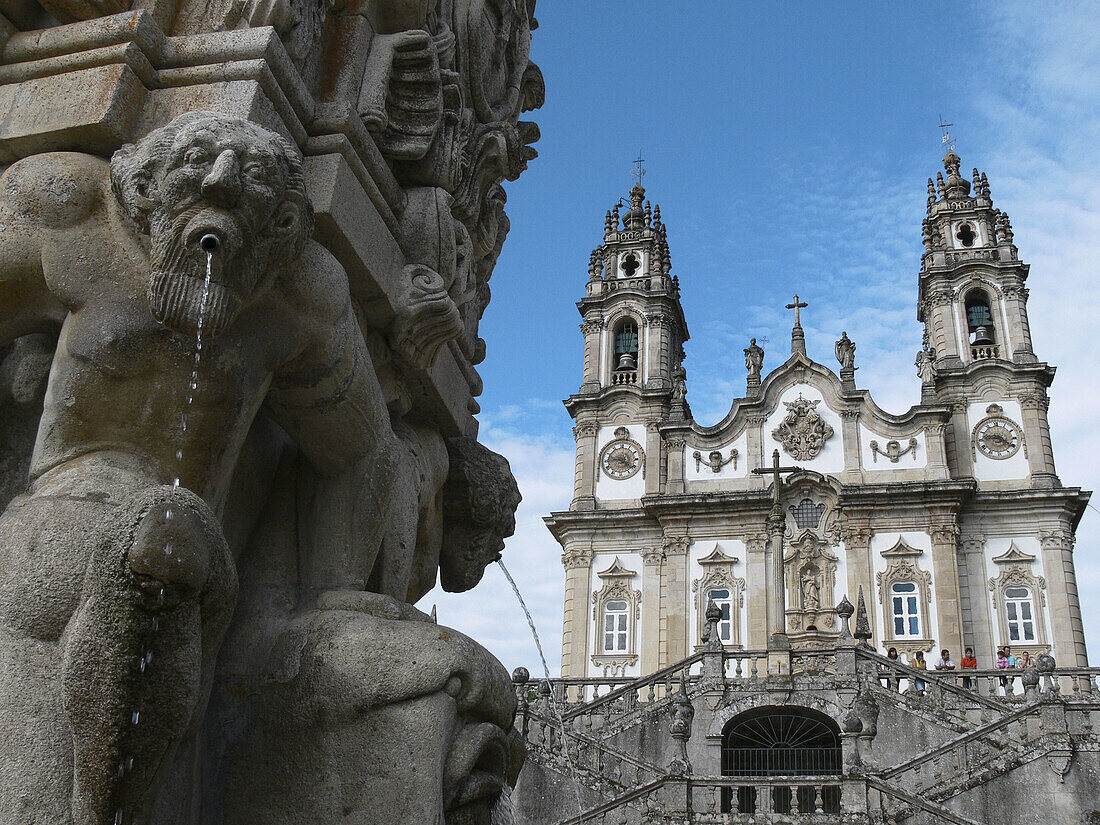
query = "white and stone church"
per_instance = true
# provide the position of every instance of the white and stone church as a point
(949, 517)
(711, 670)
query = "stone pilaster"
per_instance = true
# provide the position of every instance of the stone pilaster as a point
(856, 535)
(940, 307)
(652, 458)
(584, 473)
(980, 634)
(592, 329)
(959, 441)
(1040, 453)
(1063, 602)
(674, 447)
(935, 445)
(849, 424)
(1015, 298)
(652, 597)
(575, 629)
(754, 446)
(756, 552)
(945, 535)
(658, 351)
(674, 613)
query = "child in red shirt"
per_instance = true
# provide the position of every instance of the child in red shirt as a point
(968, 661)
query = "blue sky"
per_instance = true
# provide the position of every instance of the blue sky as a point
(788, 146)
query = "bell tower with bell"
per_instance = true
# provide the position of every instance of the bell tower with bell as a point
(634, 333)
(977, 354)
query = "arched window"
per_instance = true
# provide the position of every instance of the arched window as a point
(616, 624)
(904, 610)
(1019, 614)
(723, 599)
(781, 741)
(806, 513)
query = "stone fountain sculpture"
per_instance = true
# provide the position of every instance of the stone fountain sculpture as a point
(244, 250)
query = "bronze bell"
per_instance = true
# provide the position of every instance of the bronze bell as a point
(982, 337)
(627, 362)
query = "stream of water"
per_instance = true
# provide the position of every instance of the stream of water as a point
(553, 700)
(126, 765)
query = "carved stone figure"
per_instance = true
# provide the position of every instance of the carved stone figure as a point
(926, 365)
(109, 558)
(811, 592)
(754, 359)
(803, 432)
(846, 352)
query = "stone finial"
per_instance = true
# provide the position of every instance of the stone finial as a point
(657, 217)
(985, 186)
(608, 227)
(863, 623)
(845, 610)
(521, 676)
(977, 178)
(957, 185)
(648, 215)
(939, 183)
(710, 633)
(931, 194)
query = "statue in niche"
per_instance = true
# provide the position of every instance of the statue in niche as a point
(811, 591)
(846, 352)
(754, 359)
(118, 582)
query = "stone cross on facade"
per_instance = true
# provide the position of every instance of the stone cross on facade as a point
(798, 337)
(773, 567)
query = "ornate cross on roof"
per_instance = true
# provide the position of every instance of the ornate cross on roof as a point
(776, 471)
(638, 172)
(796, 306)
(948, 141)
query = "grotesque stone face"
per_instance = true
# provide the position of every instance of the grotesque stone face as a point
(210, 188)
(479, 511)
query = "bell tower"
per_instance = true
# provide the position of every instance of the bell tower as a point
(634, 333)
(977, 354)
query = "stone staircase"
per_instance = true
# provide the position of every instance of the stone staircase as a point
(980, 737)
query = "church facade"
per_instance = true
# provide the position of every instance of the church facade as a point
(949, 519)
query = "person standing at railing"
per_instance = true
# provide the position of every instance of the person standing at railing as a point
(888, 672)
(968, 663)
(919, 663)
(945, 661)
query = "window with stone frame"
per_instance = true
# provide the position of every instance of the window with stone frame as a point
(1019, 614)
(905, 610)
(616, 608)
(719, 584)
(1018, 601)
(905, 594)
(807, 514)
(616, 614)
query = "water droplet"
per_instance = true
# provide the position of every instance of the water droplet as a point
(169, 515)
(179, 455)
(176, 481)
(135, 718)
(118, 817)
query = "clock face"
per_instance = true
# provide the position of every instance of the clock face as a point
(997, 437)
(621, 458)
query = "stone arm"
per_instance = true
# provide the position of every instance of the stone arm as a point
(46, 202)
(329, 400)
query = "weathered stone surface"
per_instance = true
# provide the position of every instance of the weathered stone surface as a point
(254, 278)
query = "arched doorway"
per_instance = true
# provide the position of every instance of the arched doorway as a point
(787, 742)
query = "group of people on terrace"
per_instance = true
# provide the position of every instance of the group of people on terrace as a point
(1005, 660)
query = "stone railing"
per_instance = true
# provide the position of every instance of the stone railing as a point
(624, 377)
(983, 352)
(746, 799)
(993, 688)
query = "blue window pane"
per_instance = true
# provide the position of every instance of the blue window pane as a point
(899, 626)
(914, 628)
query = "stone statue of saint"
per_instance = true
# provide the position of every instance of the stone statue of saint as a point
(846, 352)
(679, 385)
(754, 358)
(926, 365)
(115, 554)
(811, 592)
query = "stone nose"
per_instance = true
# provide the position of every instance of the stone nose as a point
(222, 183)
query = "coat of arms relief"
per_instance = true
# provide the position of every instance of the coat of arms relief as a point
(803, 432)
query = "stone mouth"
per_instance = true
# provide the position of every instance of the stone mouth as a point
(483, 782)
